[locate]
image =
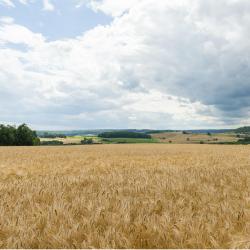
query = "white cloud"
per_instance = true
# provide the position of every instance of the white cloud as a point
(7, 3)
(48, 6)
(114, 8)
(17, 34)
(160, 64)
(110, 7)
(23, 1)
(6, 19)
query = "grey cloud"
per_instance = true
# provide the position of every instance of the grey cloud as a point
(204, 57)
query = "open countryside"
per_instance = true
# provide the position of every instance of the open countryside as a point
(124, 124)
(160, 189)
(165, 137)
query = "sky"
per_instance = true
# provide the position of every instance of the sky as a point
(89, 64)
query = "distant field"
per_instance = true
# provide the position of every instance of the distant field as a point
(72, 139)
(125, 196)
(180, 138)
(77, 140)
(168, 137)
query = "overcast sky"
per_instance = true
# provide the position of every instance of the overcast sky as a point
(82, 64)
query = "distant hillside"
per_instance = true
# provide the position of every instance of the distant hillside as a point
(43, 133)
(243, 130)
(95, 132)
(212, 131)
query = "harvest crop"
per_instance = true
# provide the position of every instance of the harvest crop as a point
(125, 196)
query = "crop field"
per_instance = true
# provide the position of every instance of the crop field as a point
(125, 196)
(71, 139)
(180, 138)
(77, 140)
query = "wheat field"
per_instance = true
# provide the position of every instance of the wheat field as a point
(125, 196)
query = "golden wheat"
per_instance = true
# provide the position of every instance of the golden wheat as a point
(125, 196)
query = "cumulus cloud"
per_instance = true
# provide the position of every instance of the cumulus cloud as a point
(113, 8)
(7, 3)
(17, 34)
(24, 1)
(48, 6)
(164, 64)
(6, 19)
(197, 50)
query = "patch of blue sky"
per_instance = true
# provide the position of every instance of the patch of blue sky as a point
(17, 46)
(66, 21)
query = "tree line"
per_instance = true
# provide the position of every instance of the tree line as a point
(243, 130)
(52, 136)
(124, 134)
(18, 136)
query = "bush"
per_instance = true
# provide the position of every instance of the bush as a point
(106, 140)
(36, 141)
(121, 142)
(86, 141)
(246, 140)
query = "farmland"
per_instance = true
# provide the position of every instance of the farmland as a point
(98, 140)
(194, 138)
(166, 137)
(125, 196)
(71, 139)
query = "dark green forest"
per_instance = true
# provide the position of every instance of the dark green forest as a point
(18, 136)
(243, 130)
(124, 134)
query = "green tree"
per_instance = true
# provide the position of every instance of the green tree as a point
(7, 135)
(21, 136)
(25, 136)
